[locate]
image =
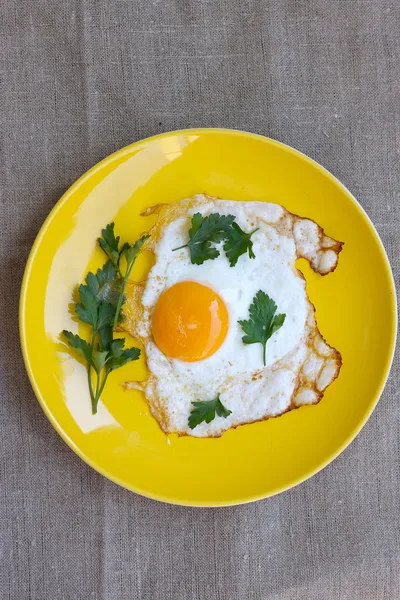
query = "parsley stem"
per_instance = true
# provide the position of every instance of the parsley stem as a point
(98, 394)
(96, 399)
(122, 293)
(99, 390)
(92, 399)
(180, 247)
(254, 230)
(89, 370)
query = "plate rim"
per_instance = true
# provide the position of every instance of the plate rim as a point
(22, 313)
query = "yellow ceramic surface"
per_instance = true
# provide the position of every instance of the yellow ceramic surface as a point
(356, 312)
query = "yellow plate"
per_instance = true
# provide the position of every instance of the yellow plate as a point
(356, 312)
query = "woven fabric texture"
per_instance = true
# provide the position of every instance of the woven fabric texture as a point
(82, 78)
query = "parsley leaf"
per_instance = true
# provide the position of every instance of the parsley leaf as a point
(204, 232)
(213, 228)
(109, 284)
(92, 283)
(106, 337)
(76, 342)
(199, 253)
(105, 275)
(109, 244)
(87, 309)
(99, 359)
(116, 347)
(263, 321)
(205, 411)
(130, 252)
(125, 357)
(106, 315)
(238, 243)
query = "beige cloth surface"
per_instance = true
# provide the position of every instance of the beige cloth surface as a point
(82, 78)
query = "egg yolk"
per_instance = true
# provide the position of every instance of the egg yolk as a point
(190, 321)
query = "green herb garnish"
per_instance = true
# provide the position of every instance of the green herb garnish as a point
(110, 245)
(263, 322)
(205, 411)
(237, 243)
(204, 232)
(100, 302)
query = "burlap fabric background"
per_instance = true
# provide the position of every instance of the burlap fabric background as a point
(82, 78)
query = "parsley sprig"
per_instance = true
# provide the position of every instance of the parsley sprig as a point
(110, 245)
(214, 228)
(100, 302)
(263, 321)
(205, 411)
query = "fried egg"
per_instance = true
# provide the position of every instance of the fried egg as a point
(187, 318)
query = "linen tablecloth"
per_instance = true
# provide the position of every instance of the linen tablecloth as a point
(82, 78)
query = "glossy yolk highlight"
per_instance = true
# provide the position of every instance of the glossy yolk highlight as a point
(190, 321)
